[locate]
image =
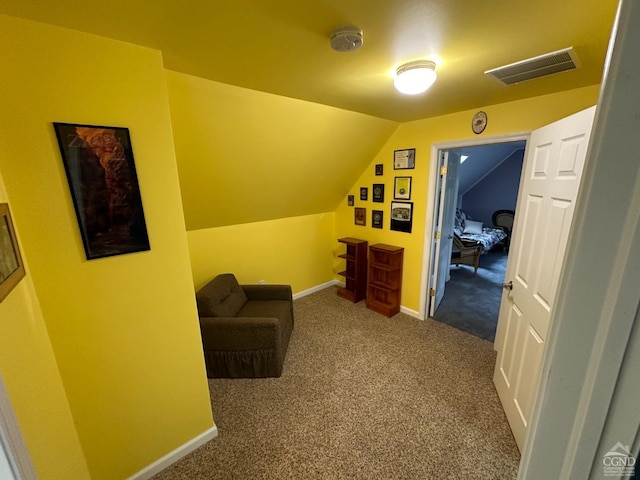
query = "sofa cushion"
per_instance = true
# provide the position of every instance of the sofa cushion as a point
(279, 309)
(221, 297)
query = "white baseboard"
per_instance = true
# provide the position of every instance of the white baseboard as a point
(317, 288)
(172, 457)
(410, 312)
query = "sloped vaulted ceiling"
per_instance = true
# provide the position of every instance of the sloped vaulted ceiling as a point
(246, 156)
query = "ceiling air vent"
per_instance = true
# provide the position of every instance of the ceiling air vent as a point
(554, 62)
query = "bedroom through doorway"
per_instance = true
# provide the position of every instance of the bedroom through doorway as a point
(487, 180)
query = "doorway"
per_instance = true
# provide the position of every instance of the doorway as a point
(487, 179)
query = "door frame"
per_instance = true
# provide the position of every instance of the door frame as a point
(11, 440)
(429, 263)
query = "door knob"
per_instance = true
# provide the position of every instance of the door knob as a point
(508, 286)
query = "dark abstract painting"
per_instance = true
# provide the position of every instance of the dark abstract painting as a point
(104, 186)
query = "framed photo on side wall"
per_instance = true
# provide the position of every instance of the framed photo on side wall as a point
(376, 218)
(11, 266)
(404, 159)
(402, 216)
(378, 192)
(360, 216)
(402, 188)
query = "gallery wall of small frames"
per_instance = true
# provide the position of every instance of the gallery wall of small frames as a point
(401, 209)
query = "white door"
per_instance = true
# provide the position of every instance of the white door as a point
(548, 190)
(443, 236)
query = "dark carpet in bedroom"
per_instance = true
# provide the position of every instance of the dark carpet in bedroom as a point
(471, 303)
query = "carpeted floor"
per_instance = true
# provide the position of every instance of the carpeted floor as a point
(472, 303)
(361, 397)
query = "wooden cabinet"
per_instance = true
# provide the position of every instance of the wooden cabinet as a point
(385, 279)
(355, 273)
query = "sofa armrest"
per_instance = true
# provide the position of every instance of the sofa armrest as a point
(267, 292)
(240, 333)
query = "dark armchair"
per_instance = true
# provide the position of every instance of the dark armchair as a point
(504, 219)
(245, 328)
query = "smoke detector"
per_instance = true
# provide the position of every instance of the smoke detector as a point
(346, 39)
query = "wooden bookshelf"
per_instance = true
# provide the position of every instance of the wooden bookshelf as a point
(385, 279)
(355, 273)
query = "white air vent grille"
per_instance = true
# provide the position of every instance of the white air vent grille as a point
(555, 62)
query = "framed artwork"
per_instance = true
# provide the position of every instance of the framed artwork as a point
(360, 216)
(379, 169)
(364, 193)
(402, 188)
(378, 192)
(104, 187)
(350, 200)
(11, 266)
(376, 218)
(404, 159)
(402, 216)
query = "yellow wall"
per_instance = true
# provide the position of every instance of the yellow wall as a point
(124, 329)
(519, 116)
(29, 371)
(295, 251)
(246, 156)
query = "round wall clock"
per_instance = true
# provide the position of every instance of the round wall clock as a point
(479, 122)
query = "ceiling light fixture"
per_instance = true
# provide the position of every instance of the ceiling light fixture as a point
(415, 77)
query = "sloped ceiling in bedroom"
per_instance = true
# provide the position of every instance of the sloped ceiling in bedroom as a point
(481, 161)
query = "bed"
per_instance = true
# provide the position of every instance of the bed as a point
(471, 231)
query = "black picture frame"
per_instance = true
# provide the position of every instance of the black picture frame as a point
(360, 216)
(364, 193)
(402, 188)
(11, 266)
(350, 200)
(402, 216)
(378, 192)
(404, 159)
(379, 169)
(377, 217)
(103, 181)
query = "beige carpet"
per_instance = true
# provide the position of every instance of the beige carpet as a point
(361, 397)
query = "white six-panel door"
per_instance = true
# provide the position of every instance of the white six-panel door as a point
(548, 190)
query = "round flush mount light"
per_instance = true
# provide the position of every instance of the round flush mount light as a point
(415, 77)
(346, 39)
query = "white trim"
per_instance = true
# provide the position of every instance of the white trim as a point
(410, 312)
(331, 283)
(11, 438)
(431, 191)
(315, 289)
(172, 457)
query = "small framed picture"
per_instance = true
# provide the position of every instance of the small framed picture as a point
(379, 169)
(376, 218)
(364, 193)
(404, 159)
(402, 188)
(360, 216)
(401, 216)
(378, 192)
(11, 266)
(350, 199)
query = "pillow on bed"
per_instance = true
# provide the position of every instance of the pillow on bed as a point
(473, 227)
